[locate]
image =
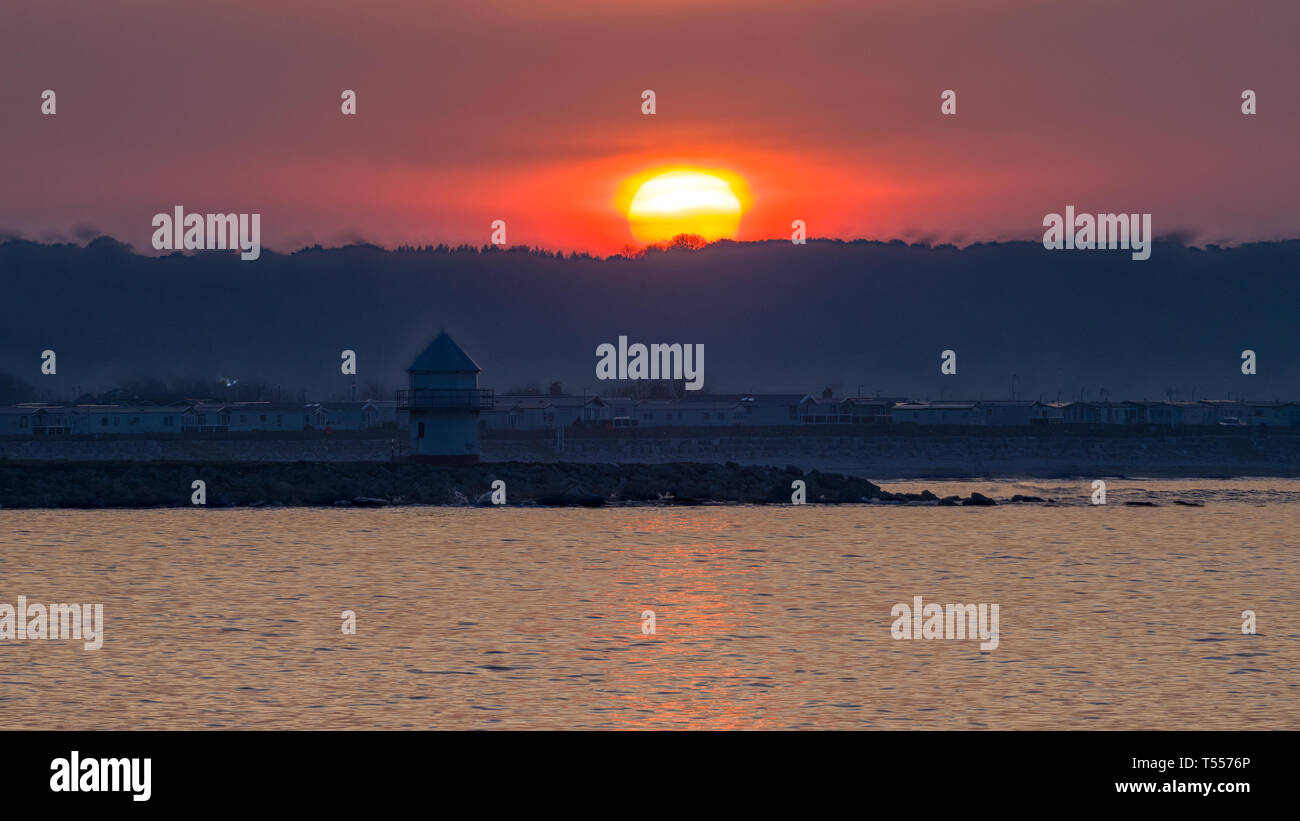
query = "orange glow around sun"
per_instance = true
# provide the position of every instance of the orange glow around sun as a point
(666, 202)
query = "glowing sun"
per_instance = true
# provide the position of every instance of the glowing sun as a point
(663, 204)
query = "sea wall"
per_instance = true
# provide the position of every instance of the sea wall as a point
(205, 449)
(940, 454)
(255, 484)
(878, 455)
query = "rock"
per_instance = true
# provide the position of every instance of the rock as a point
(558, 501)
(1020, 498)
(1142, 504)
(911, 498)
(978, 499)
(569, 500)
(370, 484)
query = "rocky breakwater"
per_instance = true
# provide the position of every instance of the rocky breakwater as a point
(245, 484)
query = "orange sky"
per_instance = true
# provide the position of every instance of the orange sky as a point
(530, 113)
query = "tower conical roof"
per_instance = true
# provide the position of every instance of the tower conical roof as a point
(443, 356)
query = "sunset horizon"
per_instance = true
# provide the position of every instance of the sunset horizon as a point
(424, 146)
(385, 379)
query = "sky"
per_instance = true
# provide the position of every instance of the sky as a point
(531, 113)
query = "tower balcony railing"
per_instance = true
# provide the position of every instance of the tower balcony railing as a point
(446, 399)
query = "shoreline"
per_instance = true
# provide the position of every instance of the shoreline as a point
(34, 485)
(47, 485)
(875, 456)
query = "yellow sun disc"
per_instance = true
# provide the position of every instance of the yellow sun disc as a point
(685, 201)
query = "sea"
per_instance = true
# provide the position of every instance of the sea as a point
(1172, 613)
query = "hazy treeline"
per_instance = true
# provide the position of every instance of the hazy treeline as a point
(862, 317)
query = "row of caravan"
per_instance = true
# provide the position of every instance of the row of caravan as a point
(770, 410)
(506, 412)
(195, 417)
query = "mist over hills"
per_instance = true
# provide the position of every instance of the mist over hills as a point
(859, 316)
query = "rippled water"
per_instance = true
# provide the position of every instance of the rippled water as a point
(1110, 617)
